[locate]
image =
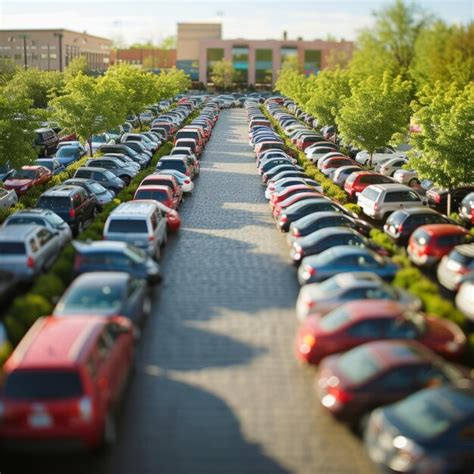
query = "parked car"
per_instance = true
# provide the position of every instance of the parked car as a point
(102, 195)
(465, 296)
(108, 294)
(158, 179)
(43, 217)
(104, 177)
(96, 142)
(178, 164)
(27, 177)
(8, 198)
(124, 171)
(5, 171)
(69, 394)
(379, 373)
(320, 298)
(427, 432)
(429, 243)
(141, 159)
(408, 177)
(288, 192)
(341, 175)
(326, 238)
(46, 141)
(54, 165)
(184, 181)
(437, 198)
(380, 200)
(140, 223)
(115, 256)
(359, 180)
(69, 154)
(282, 206)
(157, 193)
(358, 322)
(72, 203)
(381, 154)
(28, 250)
(466, 209)
(455, 266)
(387, 168)
(277, 186)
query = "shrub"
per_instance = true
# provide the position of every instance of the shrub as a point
(49, 285)
(28, 308)
(353, 208)
(406, 276)
(383, 240)
(5, 351)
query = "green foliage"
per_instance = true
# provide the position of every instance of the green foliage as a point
(76, 66)
(8, 69)
(444, 149)
(375, 112)
(50, 286)
(383, 240)
(355, 208)
(168, 43)
(222, 74)
(28, 308)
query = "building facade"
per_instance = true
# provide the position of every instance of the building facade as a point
(53, 50)
(150, 58)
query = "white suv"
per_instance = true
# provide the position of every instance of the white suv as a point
(380, 200)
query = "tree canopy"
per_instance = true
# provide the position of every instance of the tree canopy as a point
(222, 74)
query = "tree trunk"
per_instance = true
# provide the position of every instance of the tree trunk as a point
(370, 160)
(89, 141)
(448, 203)
(139, 122)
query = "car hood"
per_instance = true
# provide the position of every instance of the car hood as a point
(17, 183)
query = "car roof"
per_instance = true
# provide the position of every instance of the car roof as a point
(100, 246)
(394, 352)
(31, 167)
(153, 187)
(91, 168)
(351, 279)
(131, 207)
(56, 342)
(443, 229)
(62, 190)
(391, 187)
(102, 278)
(373, 309)
(327, 232)
(19, 232)
(417, 210)
(33, 210)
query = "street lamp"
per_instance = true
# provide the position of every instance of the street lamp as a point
(24, 37)
(60, 36)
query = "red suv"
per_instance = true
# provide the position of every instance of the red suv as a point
(430, 243)
(63, 383)
(359, 180)
(158, 193)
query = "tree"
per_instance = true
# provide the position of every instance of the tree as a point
(222, 74)
(90, 106)
(147, 45)
(329, 91)
(76, 66)
(17, 130)
(375, 112)
(39, 86)
(444, 147)
(168, 43)
(8, 69)
(293, 83)
(170, 83)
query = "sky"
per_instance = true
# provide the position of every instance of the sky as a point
(142, 20)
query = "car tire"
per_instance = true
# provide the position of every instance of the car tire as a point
(110, 430)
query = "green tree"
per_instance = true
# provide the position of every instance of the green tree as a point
(8, 69)
(39, 86)
(170, 83)
(90, 106)
(17, 126)
(293, 83)
(444, 148)
(222, 74)
(76, 66)
(375, 112)
(327, 95)
(168, 43)
(146, 45)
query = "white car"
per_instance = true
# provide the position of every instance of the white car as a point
(97, 141)
(8, 198)
(184, 181)
(388, 167)
(379, 156)
(408, 177)
(465, 299)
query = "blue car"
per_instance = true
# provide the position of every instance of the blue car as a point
(54, 165)
(344, 258)
(114, 256)
(430, 431)
(68, 154)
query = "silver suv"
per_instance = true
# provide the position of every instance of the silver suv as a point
(380, 200)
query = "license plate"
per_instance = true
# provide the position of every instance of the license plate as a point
(40, 420)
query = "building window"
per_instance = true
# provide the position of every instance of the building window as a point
(214, 55)
(240, 61)
(53, 56)
(288, 54)
(34, 57)
(17, 56)
(312, 61)
(263, 66)
(44, 56)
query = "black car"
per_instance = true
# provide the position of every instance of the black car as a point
(72, 203)
(46, 142)
(332, 218)
(438, 197)
(139, 158)
(402, 223)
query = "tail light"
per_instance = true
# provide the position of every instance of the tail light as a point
(151, 238)
(340, 395)
(309, 303)
(283, 219)
(437, 198)
(187, 181)
(308, 342)
(376, 207)
(72, 213)
(400, 227)
(30, 262)
(296, 233)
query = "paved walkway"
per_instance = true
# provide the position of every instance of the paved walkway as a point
(217, 389)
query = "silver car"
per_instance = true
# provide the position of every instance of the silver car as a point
(45, 218)
(465, 298)
(28, 250)
(454, 267)
(8, 198)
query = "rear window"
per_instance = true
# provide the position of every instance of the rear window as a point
(125, 226)
(396, 218)
(24, 385)
(149, 194)
(172, 165)
(371, 193)
(358, 365)
(12, 248)
(158, 182)
(54, 202)
(335, 319)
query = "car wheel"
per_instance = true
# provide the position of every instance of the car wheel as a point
(110, 430)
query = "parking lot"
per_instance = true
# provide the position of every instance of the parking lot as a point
(217, 388)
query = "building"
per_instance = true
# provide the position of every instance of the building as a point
(53, 50)
(256, 62)
(151, 58)
(188, 44)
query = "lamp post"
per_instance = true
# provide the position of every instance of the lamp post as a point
(25, 58)
(60, 37)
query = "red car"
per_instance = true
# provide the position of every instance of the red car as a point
(28, 177)
(335, 162)
(164, 180)
(63, 382)
(307, 140)
(358, 181)
(157, 193)
(285, 193)
(173, 219)
(279, 207)
(361, 321)
(430, 243)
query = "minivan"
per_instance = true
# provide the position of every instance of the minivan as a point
(140, 223)
(380, 200)
(63, 383)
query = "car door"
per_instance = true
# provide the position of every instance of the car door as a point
(136, 293)
(48, 247)
(161, 225)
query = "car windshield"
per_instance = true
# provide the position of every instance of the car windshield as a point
(335, 319)
(43, 385)
(54, 202)
(97, 188)
(358, 365)
(25, 174)
(4, 169)
(157, 195)
(163, 164)
(90, 297)
(429, 415)
(329, 286)
(46, 163)
(14, 220)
